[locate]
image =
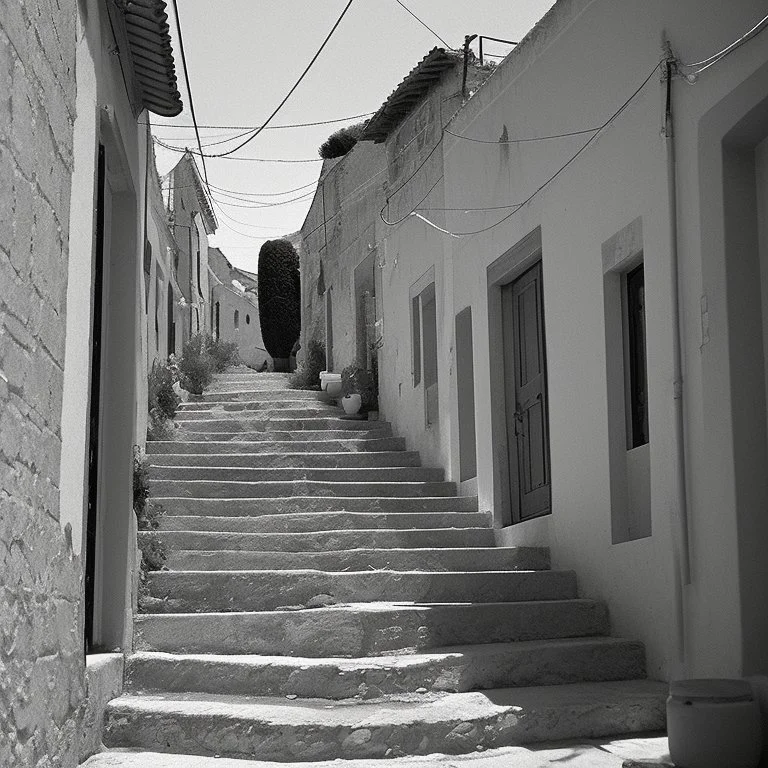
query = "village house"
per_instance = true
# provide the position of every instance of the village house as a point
(75, 155)
(235, 309)
(569, 268)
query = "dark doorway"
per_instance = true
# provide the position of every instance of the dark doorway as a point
(95, 405)
(525, 377)
(171, 322)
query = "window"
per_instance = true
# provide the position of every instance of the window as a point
(247, 319)
(237, 320)
(635, 356)
(424, 341)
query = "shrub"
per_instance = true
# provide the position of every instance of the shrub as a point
(149, 519)
(356, 380)
(307, 375)
(140, 481)
(163, 400)
(154, 552)
(341, 141)
(223, 353)
(279, 298)
(196, 367)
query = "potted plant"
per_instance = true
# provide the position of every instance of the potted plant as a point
(356, 389)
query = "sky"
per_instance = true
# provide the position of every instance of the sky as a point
(243, 56)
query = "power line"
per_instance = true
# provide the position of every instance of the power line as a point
(715, 58)
(525, 139)
(265, 205)
(423, 24)
(293, 88)
(189, 89)
(264, 126)
(226, 156)
(562, 168)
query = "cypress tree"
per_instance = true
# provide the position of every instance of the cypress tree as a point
(279, 299)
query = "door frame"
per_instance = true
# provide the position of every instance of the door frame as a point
(504, 270)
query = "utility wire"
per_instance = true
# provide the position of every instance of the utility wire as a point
(189, 89)
(293, 88)
(523, 140)
(560, 170)
(711, 60)
(226, 156)
(264, 126)
(245, 196)
(265, 205)
(423, 24)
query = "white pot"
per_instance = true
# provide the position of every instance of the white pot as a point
(351, 404)
(330, 383)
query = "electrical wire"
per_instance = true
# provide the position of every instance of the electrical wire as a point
(423, 24)
(265, 205)
(237, 192)
(525, 139)
(293, 87)
(189, 89)
(264, 126)
(711, 60)
(560, 170)
(410, 213)
(244, 159)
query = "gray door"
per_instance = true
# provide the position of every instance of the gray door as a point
(525, 375)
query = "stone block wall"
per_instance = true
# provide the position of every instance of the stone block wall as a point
(41, 656)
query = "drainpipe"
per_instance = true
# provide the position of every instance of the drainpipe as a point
(680, 539)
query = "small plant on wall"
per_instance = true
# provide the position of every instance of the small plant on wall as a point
(196, 367)
(279, 300)
(359, 381)
(162, 400)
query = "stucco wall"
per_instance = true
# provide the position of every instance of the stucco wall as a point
(550, 85)
(42, 684)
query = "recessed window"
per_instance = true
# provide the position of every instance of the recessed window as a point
(247, 319)
(237, 320)
(424, 342)
(636, 364)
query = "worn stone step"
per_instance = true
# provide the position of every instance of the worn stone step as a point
(368, 629)
(414, 559)
(329, 541)
(177, 505)
(325, 521)
(277, 729)
(237, 445)
(281, 424)
(231, 489)
(452, 670)
(226, 473)
(293, 411)
(206, 591)
(242, 392)
(292, 399)
(274, 460)
(299, 437)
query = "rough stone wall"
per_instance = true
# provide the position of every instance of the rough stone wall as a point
(41, 661)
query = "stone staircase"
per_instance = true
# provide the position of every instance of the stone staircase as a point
(328, 597)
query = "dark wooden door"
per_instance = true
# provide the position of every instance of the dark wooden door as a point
(525, 374)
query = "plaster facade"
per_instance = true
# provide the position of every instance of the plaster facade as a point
(234, 308)
(667, 533)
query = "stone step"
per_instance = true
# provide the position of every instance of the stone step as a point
(329, 541)
(243, 392)
(265, 400)
(277, 729)
(431, 559)
(309, 411)
(452, 670)
(368, 629)
(208, 591)
(325, 521)
(300, 438)
(231, 489)
(238, 445)
(281, 424)
(177, 505)
(224, 473)
(273, 460)
(648, 750)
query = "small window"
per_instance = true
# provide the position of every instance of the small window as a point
(636, 360)
(416, 339)
(247, 319)
(237, 320)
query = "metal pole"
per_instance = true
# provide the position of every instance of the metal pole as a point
(467, 40)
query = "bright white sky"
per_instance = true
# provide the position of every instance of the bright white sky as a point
(244, 56)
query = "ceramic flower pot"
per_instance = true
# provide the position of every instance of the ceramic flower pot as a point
(351, 404)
